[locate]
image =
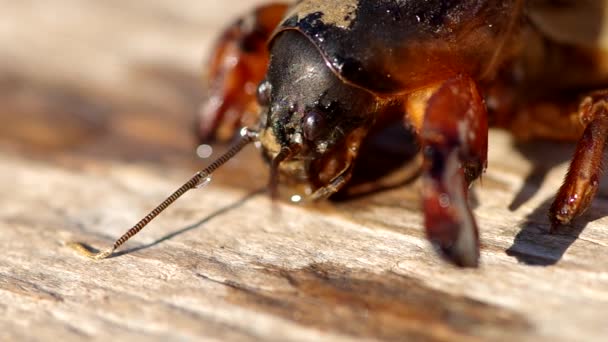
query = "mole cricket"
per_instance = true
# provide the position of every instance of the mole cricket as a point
(312, 80)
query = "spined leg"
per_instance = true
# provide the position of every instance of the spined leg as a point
(235, 69)
(582, 179)
(454, 141)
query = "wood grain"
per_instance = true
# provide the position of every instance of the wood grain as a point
(98, 102)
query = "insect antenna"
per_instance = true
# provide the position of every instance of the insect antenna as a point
(200, 178)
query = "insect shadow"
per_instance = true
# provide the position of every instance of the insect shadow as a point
(195, 225)
(535, 244)
(542, 162)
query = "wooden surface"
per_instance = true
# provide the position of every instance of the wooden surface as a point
(97, 110)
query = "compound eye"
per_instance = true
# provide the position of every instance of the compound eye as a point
(313, 125)
(263, 93)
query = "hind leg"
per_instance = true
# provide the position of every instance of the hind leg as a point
(582, 180)
(567, 119)
(453, 133)
(236, 67)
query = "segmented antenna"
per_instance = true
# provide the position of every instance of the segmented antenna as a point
(247, 136)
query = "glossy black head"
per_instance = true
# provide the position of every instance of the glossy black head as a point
(312, 122)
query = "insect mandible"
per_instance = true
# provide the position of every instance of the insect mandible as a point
(311, 80)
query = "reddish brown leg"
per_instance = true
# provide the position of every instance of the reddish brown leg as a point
(582, 179)
(454, 140)
(236, 67)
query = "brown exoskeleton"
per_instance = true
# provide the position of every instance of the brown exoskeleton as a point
(311, 80)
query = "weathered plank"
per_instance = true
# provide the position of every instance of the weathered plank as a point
(97, 110)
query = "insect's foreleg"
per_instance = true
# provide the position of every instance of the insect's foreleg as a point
(453, 137)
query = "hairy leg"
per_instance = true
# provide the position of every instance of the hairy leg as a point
(582, 180)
